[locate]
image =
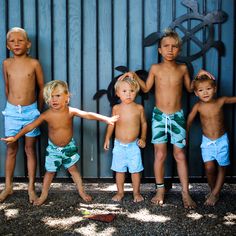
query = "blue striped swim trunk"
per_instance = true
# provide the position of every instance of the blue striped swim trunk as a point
(216, 150)
(16, 117)
(126, 156)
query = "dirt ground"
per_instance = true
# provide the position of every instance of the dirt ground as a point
(63, 213)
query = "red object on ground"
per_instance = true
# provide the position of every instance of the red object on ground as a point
(101, 217)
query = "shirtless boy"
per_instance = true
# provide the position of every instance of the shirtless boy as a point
(130, 126)
(61, 148)
(215, 143)
(23, 75)
(168, 77)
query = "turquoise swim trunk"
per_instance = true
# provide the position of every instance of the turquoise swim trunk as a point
(16, 117)
(126, 156)
(61, 156)
(172, 124)
(216, 150)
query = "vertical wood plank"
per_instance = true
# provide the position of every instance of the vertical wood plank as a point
(74, 63)
(3, 25)
(105, 76)
(89, 87)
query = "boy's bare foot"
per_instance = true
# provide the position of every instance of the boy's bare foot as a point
(188, 201)
(39, 201)
(5, 193)
(32, 196)
(138, 197)
(211, 200)
(207, 196)
(158, 199)
(85, 197)
(118, 197)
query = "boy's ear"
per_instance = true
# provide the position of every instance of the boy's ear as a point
(196, 93)
(215, 89)
(29, 45)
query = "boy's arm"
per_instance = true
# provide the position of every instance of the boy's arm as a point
(187, 81)
(229, 100)
(4, 68)
(109, 132)
(142, 140)
(25, 130)
(191, 117)
(95, 116)
(145, 86)
(40, 84)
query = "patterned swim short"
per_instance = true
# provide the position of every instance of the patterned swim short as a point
(61, 156)
(172, 124)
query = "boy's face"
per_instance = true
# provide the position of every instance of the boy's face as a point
(169, 48)
(205, 91)
(126, 93)
(59, 99)
(18, 43)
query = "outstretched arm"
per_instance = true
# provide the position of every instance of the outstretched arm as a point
(95, 116)
(25, 130)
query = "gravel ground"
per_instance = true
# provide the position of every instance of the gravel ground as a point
(63, 212)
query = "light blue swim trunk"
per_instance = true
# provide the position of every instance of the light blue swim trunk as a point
(216, 150)
(16, 117)
(125, 156)
(172, 124)
(57, 156)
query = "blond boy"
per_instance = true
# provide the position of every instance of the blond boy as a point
(61, 150)
(23, 75)
(130, 134)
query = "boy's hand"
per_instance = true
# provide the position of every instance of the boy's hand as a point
(141, 143)
(106, 145)
(112, 120)
(9, 140)
(129, 74)
(204, 72)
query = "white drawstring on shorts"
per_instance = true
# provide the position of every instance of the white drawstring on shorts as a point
(167, 118)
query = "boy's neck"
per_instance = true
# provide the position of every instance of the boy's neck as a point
(23, 56)
(168, 62)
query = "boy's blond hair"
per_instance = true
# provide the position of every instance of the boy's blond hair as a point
(132, 82)
(172, 34)
(203, 78)
(18, 29)
(51, 86)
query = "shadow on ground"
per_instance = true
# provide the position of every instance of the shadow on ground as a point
(63, 213)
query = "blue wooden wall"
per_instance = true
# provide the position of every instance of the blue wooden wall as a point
(82, 41)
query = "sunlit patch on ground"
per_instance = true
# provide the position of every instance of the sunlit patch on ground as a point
(92, 229)
(61, 222)
(230, 219)
(11, 213)
(145, 216)
(194, 216)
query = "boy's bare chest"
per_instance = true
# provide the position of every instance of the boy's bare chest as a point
(60, 121)
(210, 111)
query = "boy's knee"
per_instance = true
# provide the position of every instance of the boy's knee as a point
(210, 169)
(30, 150)
(179, 155)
